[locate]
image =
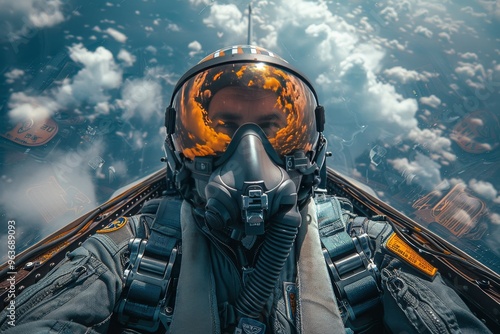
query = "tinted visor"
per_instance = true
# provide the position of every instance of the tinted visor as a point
(214, 103)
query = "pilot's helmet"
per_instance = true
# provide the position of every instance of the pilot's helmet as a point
(233, 91)
(201, 122)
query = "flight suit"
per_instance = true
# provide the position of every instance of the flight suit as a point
(81, 293)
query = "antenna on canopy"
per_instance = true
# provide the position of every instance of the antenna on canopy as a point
(249, 37)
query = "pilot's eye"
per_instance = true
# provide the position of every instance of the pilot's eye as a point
(270, 128)
(226, 127)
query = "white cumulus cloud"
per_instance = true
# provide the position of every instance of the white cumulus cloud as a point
(404, 75)
(432, 101)
(485, 190)
(389, 14)
(13, 75)
(117, 35)
(23, 106)
(423, 31)
(20, 19)
(127, 58)
(194, 48)
(140, 98)
(227, 18)
(422, 170)
(434, 141)
(100, 73)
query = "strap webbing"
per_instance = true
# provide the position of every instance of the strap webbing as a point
(196, 303)
(317, 309)
(166, 228)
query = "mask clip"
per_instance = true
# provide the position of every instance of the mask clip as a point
(300, 162)
(253, 207)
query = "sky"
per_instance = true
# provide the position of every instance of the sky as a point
(401, 75)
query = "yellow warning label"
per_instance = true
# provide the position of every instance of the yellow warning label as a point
(396, 245)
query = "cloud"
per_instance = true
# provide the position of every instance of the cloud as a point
(392, 44)
(393, 108)
(433, 141)
(91, 84)
(118, 36)
(445, 36)
(495, 220)
(151, 49)
(200, 2)
(345, 59)
(423, 31)
(57, 193)
(305, 11)
(404, 76)
(195, 48)
(173, 27)
(470, 69)
(337, 39)
(422, 171)
(227, 18)
(432, 101)
(389, 14)
(103, 108)
(23, 106)
(485, 190)
(474, 74)
(13, 75)
(345, 67)
(141, 98)
(492, 7)
(20, 19)
(100, 73)
(470, 10)
(469, 56)
(445, 24)
(128, 58)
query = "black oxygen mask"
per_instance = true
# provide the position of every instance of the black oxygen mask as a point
(249, 188)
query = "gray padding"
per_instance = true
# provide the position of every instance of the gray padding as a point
(318, 306)
(195, 306)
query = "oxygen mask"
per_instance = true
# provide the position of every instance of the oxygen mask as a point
(249, 187)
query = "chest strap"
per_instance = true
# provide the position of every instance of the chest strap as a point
(150, 274)
(348, 257)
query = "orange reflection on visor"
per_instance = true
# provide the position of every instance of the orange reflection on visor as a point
(201, 131)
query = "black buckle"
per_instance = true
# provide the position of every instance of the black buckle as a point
(147, 281)
(292, 162)
(253, 207)
(354, 268)
(300, 162)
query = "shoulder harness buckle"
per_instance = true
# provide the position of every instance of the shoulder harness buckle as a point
(149, 277)
(348, 258)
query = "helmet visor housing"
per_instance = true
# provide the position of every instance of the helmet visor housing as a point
(211, 105)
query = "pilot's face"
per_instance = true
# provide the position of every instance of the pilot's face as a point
(232, 107)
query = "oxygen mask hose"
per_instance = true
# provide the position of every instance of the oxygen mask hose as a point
(275, 251)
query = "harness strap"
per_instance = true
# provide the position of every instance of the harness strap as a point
(316, 308)
(196, 302)
(348, 258)
(166, 228)
(149, 276)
